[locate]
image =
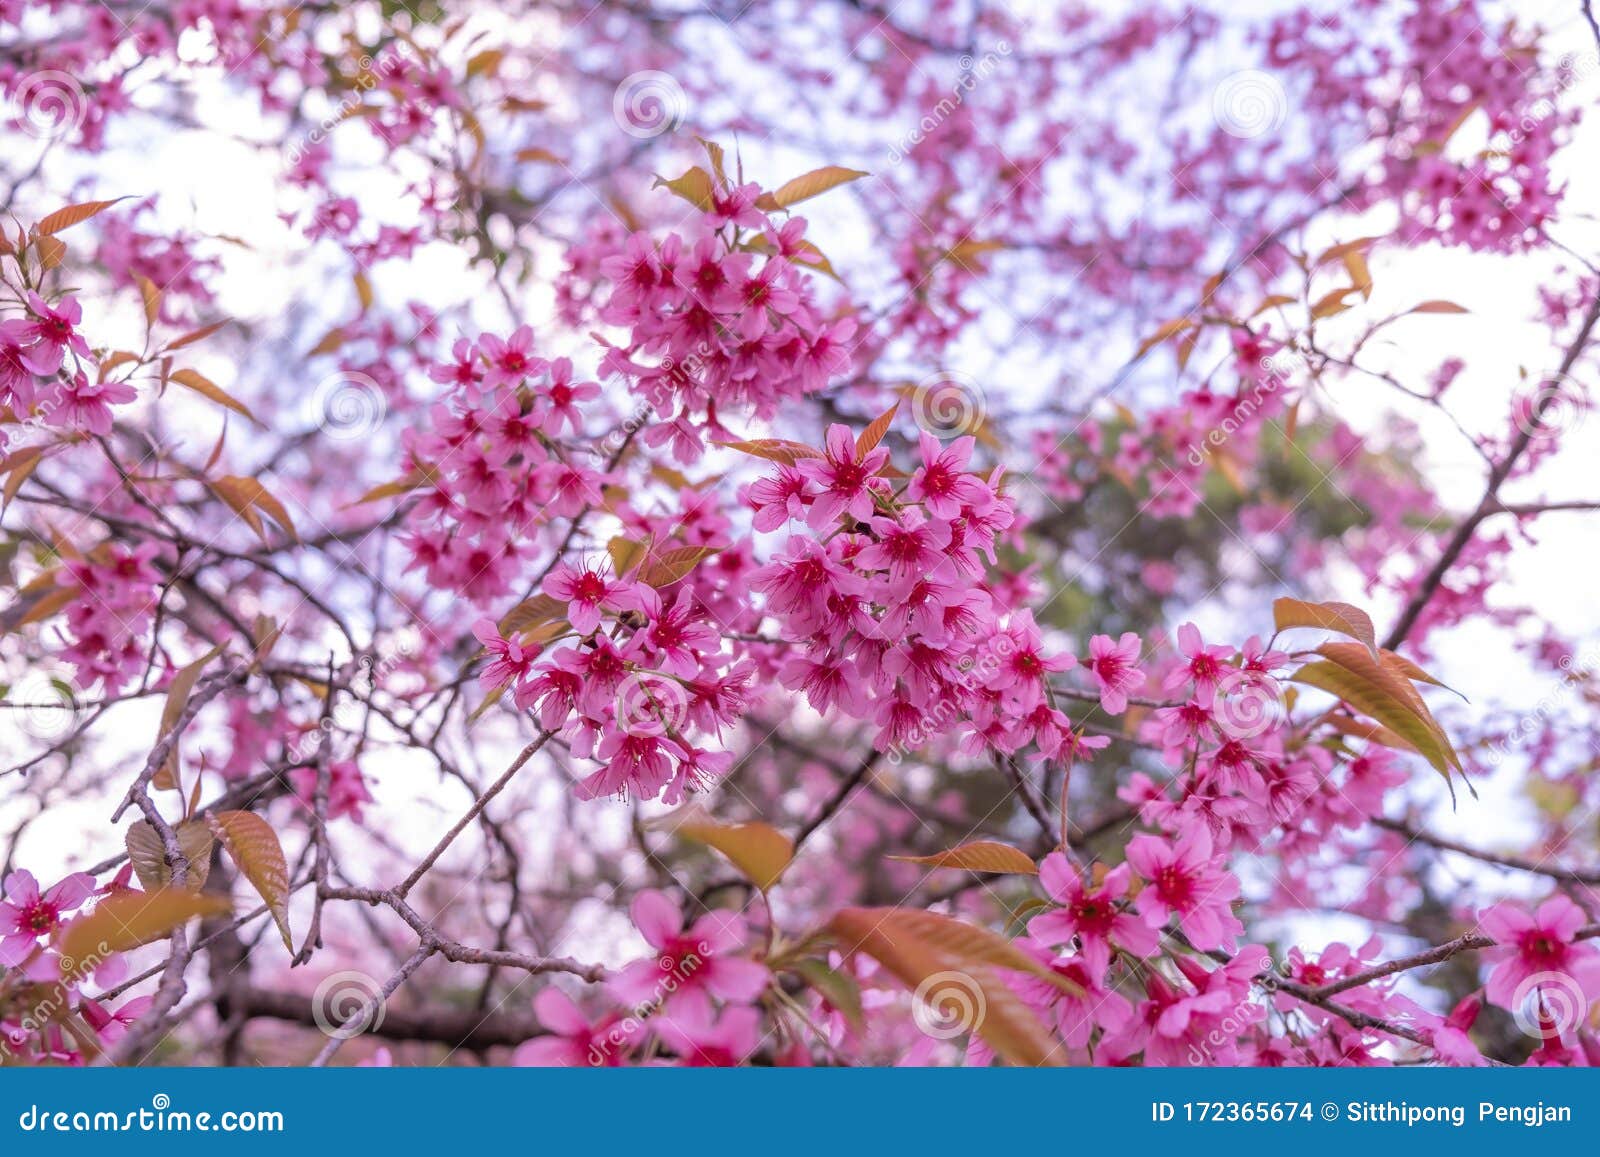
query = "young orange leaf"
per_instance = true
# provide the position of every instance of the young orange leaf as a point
(1168, 330)
(694, 187)
(245, 496)
(151, 294)
(206, 388)
(626, 554)
(254, 847)
(667, 567)
(127, 920)
(391, 489)
(979, 856)
(814, 184)
(149, 857)
(1330, 616)
(760, 851)
(531, 612)
(178, 692)
(195, 335)
(72, 215)
(936, 956)
(1355, 264)
(774, 450)
(868, 439)
(1350, 672)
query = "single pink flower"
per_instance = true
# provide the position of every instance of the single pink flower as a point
(1536, 949)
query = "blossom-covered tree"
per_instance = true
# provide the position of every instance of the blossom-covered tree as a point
(805, 532)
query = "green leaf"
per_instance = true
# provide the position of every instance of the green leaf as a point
(839, 989)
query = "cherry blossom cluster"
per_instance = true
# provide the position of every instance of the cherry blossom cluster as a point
(721, 324)
(108, 619)
(492, 467)
(642, 684)
(45, 370)
(886, 590)
(694, 995)
(33, 1027)
(907, 648)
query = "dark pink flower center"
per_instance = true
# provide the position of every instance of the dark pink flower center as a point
(40, 917)
(1175, 886)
